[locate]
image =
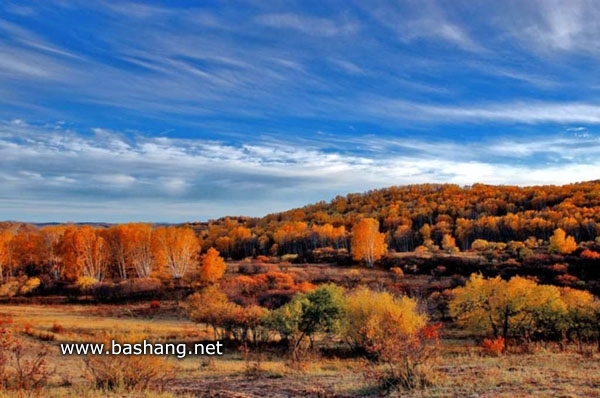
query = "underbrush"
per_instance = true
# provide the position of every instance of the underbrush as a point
(128, 372)
(22, 372)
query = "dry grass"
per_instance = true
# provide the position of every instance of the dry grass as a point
(460, 371)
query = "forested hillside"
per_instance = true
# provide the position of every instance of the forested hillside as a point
(550, 232)
(416, 215)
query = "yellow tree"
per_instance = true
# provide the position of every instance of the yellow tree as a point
(368, 313)
(561, 243)
(176, 249)
(213, 266)
(368, 243)
(449, 243)
(516, 308)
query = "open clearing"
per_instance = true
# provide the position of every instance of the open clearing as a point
(460, 369)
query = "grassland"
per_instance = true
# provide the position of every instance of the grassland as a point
(460, 369)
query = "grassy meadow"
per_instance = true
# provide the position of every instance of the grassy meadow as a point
(460, 366)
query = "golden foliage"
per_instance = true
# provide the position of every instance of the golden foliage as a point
(175, 249)
(368, 244)
(370, 316)
(561, 243)
(213, 266)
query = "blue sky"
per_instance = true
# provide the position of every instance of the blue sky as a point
(183, 111)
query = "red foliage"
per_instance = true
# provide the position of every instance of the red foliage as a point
(590, 254)
(493, 347)
(154, 304)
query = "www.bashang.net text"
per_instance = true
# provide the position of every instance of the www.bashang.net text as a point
(180, 350)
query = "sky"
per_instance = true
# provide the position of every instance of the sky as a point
(178, 111)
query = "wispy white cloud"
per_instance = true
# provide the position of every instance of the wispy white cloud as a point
(214, 178)
(533, 112)
(315, 26)
(427, 20)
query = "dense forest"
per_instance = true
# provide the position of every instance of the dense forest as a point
(550, 232)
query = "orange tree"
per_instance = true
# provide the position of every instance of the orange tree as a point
(213, 266)
(368, 243)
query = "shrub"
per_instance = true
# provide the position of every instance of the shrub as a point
(9, 289)
(275, 280)
(127, 372)
(154, 304)
(370, 316)
(30, 285)
(289, 258)
(590, 254)
(19, 371)
(57, 328)
(85, 283)
(405, 362)
(493, 347)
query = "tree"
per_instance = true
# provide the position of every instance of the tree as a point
(449, 243)
(176, 249)
(84, 253)
(517, 308)
(210, 306)
(368, 243)
(213, 266)
(561, 243)
(6, 236)
(318, 311)
(368, 314)
(50, 238)
(139, 249)
(131, 249)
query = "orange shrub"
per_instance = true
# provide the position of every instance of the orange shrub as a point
(246, 285)
(493, 347)
(276, 280)
(305, 287)
(590, 254)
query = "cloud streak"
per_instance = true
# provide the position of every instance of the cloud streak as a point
(110, 170)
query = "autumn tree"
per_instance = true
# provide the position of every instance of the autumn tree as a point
(25, 245)
(394, 334)
(241, 241)
(583, 315)
(290, 237)
(368, 243)
(6, 255)
(139, 249)
(369, 313)
(117, 237)
(84, 253)
(50, 238)
(213, 266)
(561, 243)
(131, 249)
(176, 249)
(210, 306)
(517, 308)
(449, 243)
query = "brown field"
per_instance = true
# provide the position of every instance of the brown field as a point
(460, 370)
